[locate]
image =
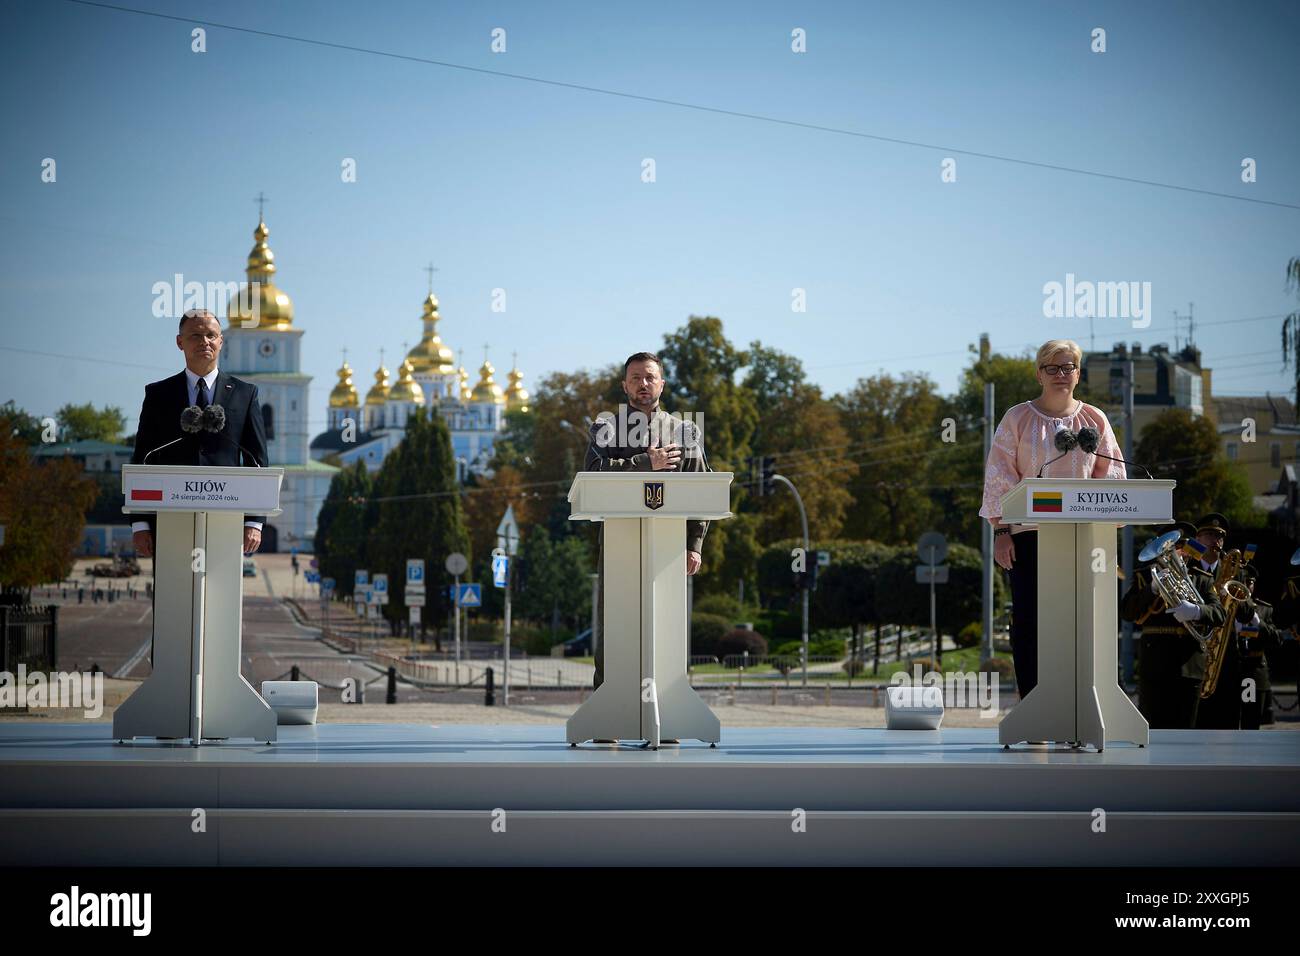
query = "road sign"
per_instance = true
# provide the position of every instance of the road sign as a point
(363, 578)
(456, 563)
(360, 609)
(469, 595)
(823, 559)
(500, 568)
(381, 583)
(415, 615)
(368, 594)
(414, 570)
(508, 532)
(932, 541)
(938, 573)
(312, 577)
(373, 613)
(414, 598)
(327, 584)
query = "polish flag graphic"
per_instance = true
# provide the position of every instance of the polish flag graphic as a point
(146, 494)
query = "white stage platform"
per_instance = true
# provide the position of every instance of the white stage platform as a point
(402, 794)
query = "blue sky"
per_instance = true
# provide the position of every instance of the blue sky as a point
(534, 188)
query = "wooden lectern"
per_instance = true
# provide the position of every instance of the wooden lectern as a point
(1078, 697)
(196, 690)
(646, 694)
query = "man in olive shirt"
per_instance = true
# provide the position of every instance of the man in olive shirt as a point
(643, 437)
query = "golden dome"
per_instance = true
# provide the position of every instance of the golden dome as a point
(516, 394)
(465, 390)
(344, 394)
(431, 354)
(274, 309)
(406, 389)
(378, 393)
(487, 390)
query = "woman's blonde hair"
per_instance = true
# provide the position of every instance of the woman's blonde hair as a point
(1059, 345)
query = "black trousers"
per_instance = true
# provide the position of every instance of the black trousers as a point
(1166, 698)
(1024, 610)
(1253, 712)
(1222, 709)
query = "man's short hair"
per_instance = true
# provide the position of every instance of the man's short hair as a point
(643, 357)
(196, 314)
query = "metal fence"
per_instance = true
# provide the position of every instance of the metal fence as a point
(29, 635)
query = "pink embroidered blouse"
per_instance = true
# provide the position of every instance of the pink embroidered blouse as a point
(1024, 441)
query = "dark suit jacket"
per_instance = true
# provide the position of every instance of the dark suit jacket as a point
(160, 423)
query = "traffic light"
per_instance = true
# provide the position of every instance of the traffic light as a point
(766, 484)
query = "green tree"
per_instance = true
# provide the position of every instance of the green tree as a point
(846, 594)
(701, 368)
(17, 423)
(87, 423)
(897, 425)
(556, 579)
(43, 510)
(420, 513)
(342, 526)
(1176, 444)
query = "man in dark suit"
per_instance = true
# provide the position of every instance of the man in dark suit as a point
(160, 438)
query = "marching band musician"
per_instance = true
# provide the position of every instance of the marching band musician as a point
(1169, 672)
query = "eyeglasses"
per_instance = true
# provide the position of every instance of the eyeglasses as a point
(1069, 369)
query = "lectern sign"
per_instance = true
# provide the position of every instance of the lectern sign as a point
(253, 491)
(1090, 504)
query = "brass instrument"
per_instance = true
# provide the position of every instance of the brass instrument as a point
(1171, 580)
(1233, 593)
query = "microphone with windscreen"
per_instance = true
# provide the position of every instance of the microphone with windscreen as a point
(1065, 441)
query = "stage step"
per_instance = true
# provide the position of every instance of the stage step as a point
(312, 837)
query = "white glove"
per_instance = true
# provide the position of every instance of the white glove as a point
(1187, 611)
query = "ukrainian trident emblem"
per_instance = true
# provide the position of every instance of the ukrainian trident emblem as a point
(654, 494)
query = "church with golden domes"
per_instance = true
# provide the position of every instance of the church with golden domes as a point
(429, 376)
(264, 347)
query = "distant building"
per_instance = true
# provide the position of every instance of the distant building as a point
(268, 354)
(1161, 380)
(93, 456)
(1271, 423)
(428, 377)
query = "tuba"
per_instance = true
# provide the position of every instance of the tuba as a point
(1233, 593)
(1171, 580)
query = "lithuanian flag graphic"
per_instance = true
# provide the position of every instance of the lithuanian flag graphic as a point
(1047, 501)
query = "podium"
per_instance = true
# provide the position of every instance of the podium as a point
(1078, 697)
(646, 694)
(196, 690)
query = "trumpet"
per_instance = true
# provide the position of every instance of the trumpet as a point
(1171, 580)
(1234, 593)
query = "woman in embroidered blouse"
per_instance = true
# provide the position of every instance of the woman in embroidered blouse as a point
(1024, 441)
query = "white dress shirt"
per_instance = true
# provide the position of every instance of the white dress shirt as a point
(192, 381)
